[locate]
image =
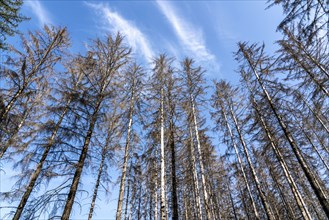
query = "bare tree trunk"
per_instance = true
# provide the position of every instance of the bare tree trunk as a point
(186, 209)
(80, 165)
(195, 177)
(173, 174)
(100, 171)
(156, 189)
(308, 173)
(110, 130)
(299, 199)
(139, 203)
(127, 195)
(162, 163)
(125, 160)
(171, 143)
(150, 204)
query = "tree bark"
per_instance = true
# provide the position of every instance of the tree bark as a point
(195, 177)
(163, 204)
(100, 171)
(173, 175)
(125, 160)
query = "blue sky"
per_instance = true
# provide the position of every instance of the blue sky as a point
(207, 31)
(204, 30)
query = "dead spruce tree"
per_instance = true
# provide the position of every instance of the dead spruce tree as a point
(162, 71)
(193, 80)
(133, 88)
(109, 56)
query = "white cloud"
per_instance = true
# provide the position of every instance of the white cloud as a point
(136, 39)
(189, 36)
(39, 11)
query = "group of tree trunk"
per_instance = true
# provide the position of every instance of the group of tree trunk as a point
(185, 148)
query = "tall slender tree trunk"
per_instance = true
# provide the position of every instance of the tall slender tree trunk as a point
(295, 191)
(125, 160)
(80, 165)
(186, 208)
(150, 211)
(156, 188)
(195, 177)
(307, 171)
(105, 149)
(128, 195)
(171, 144)
(162, 162)
(173, 174)
(100, 171)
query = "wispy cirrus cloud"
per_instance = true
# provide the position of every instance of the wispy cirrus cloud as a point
(40, 12)
(190, 37)
(115, 22)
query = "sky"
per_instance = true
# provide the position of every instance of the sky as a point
(207, 31)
